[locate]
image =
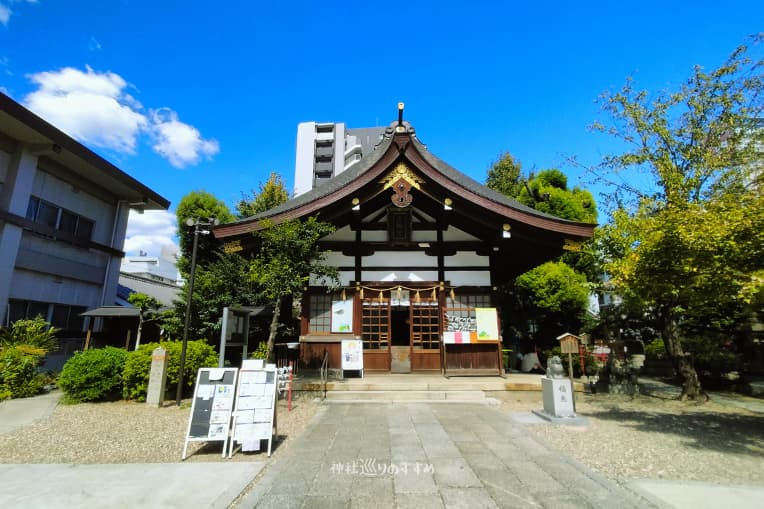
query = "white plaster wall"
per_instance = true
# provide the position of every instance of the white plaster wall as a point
(337, 259)
(344, 234)
(374, 236)
(468, 278)
(399, 259)
(345, 278)
(424, 236)
(455, 234)
(412, 275)
(467, 258)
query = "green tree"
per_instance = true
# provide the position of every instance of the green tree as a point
(287, 257)
(203, 206)
(548, 192)
(148, 308)
(555, 295)
(33, 332)
(272, 194)
(506, 176)
(691, 241)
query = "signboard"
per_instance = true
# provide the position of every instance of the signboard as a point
(487, 324)
(254, 416)
(352, 355)
(210, 417)
(569, 344)
(342, 315)
(459, 337)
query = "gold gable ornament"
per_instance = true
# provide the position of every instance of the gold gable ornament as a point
(233, 246)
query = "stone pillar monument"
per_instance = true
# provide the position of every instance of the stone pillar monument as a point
(157, 377)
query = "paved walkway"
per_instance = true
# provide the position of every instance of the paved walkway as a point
(422, 455)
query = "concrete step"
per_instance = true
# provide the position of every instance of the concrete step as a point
(454, 396)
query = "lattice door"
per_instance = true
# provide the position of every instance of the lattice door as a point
(375, 323)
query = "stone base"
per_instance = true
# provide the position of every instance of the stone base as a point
(558, 397)
(576, 420)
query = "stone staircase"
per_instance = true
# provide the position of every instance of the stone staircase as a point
(395, 396)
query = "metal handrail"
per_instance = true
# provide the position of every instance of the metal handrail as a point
(325, 371)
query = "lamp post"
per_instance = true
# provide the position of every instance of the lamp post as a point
(196, 223)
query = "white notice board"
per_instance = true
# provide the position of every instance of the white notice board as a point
(210, 417)
(352, 355)
(254, 415)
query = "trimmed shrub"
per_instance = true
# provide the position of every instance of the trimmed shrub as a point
(199, 354)
(93, 375)
(18, 372)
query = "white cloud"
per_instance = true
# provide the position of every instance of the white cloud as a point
(180, 143)
(150, 231)
(5, 14)
(94, 45)
(90, 106)
(95, 108)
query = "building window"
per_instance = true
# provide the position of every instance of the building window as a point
(320, 314)
(56, 218)
(63, 316)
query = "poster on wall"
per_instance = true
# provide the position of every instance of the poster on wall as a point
(487, 324)
(342, 315)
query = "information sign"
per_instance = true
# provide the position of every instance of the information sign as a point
(211, 408)
(254, 416)
(352, 355)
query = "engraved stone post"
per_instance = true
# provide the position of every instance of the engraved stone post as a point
(157, 377)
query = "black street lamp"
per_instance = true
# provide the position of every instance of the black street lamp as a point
(196, 223)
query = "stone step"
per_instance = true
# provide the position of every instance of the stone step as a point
(460, 396)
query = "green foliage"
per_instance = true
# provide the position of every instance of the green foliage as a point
(505, 176)
(145, 303)
(261, 352)
(93, 375)
(289, 255)
(689, 247)
(34, 332)
(556, 297)
(223, 282)
(548, 192)
(18, 371)
(203, 206)
(138, 366)
(655, 349)
(272, 194)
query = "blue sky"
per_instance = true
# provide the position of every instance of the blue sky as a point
(187, 95)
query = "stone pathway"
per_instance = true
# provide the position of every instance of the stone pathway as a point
(424, 455)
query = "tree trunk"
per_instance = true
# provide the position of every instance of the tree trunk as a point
(271, 358)
(681, 361)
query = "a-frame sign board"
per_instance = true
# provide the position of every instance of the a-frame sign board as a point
(210, 418)
(254, 416)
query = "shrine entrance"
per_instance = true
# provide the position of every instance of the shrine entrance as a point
(400, 334)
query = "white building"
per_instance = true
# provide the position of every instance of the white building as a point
(325, 150)
(156, 276)
(63, 216)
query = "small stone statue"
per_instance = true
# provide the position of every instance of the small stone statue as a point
(554, 368)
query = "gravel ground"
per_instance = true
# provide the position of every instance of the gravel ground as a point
(649, 437)
(625, 438)
(130, 432)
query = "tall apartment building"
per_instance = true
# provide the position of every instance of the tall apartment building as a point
(325, 150)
